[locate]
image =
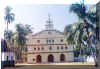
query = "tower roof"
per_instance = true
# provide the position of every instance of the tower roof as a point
(49, 23)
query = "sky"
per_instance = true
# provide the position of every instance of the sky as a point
(35, 13)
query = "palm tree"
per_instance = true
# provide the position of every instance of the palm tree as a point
(9, 35)
(83, 27)
(20, 38)
(9, 16)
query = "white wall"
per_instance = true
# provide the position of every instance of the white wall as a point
(9, 54)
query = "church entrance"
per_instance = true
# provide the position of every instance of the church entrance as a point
(38, 59)
(62, 57)
(50, 58)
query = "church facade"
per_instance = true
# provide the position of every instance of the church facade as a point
(48, 46)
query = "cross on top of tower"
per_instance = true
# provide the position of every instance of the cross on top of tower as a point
(49, 23)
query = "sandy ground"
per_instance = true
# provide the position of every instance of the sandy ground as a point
(72, 63)
(55, 66)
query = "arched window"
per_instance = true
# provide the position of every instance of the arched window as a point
(62, 57)
(38, 59)
(50, 58)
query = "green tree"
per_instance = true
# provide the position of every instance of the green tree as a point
(9, 36)
(87, 21)
(20, 38)
(9, 16)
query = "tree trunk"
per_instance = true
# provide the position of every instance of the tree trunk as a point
(7, 26)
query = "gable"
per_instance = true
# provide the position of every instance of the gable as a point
(48, 33)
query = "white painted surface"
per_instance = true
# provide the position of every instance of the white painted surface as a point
(9, 54)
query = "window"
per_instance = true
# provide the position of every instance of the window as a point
(58, 47)
(12, 58)
(61, 47)
(50, 48)
(66, 47)
(61, 40)
(38, 48)
(7, 58)
(42, 48)
(62, 57)
(49, 32)
(49, 41)
(34, 48)
(38, 41)
(53, 41)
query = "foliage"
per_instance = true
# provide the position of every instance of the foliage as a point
(78, 9)
(22, 31)
(9, 34)
(81, 35)
(20, 38)
(9, 16)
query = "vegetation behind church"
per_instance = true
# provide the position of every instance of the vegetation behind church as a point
(80, 33)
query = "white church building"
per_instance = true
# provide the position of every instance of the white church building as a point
(48, 46)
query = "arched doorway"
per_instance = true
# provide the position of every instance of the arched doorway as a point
(50, 58)
(38, 59)
(62, 57)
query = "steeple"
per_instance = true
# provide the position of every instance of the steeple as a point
(49, 23)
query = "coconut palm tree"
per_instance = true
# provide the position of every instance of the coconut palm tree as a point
(9, 16)
(83, 27)
(20, 38)
(9, 35)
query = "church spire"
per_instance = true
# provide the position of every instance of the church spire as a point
(49, 23)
